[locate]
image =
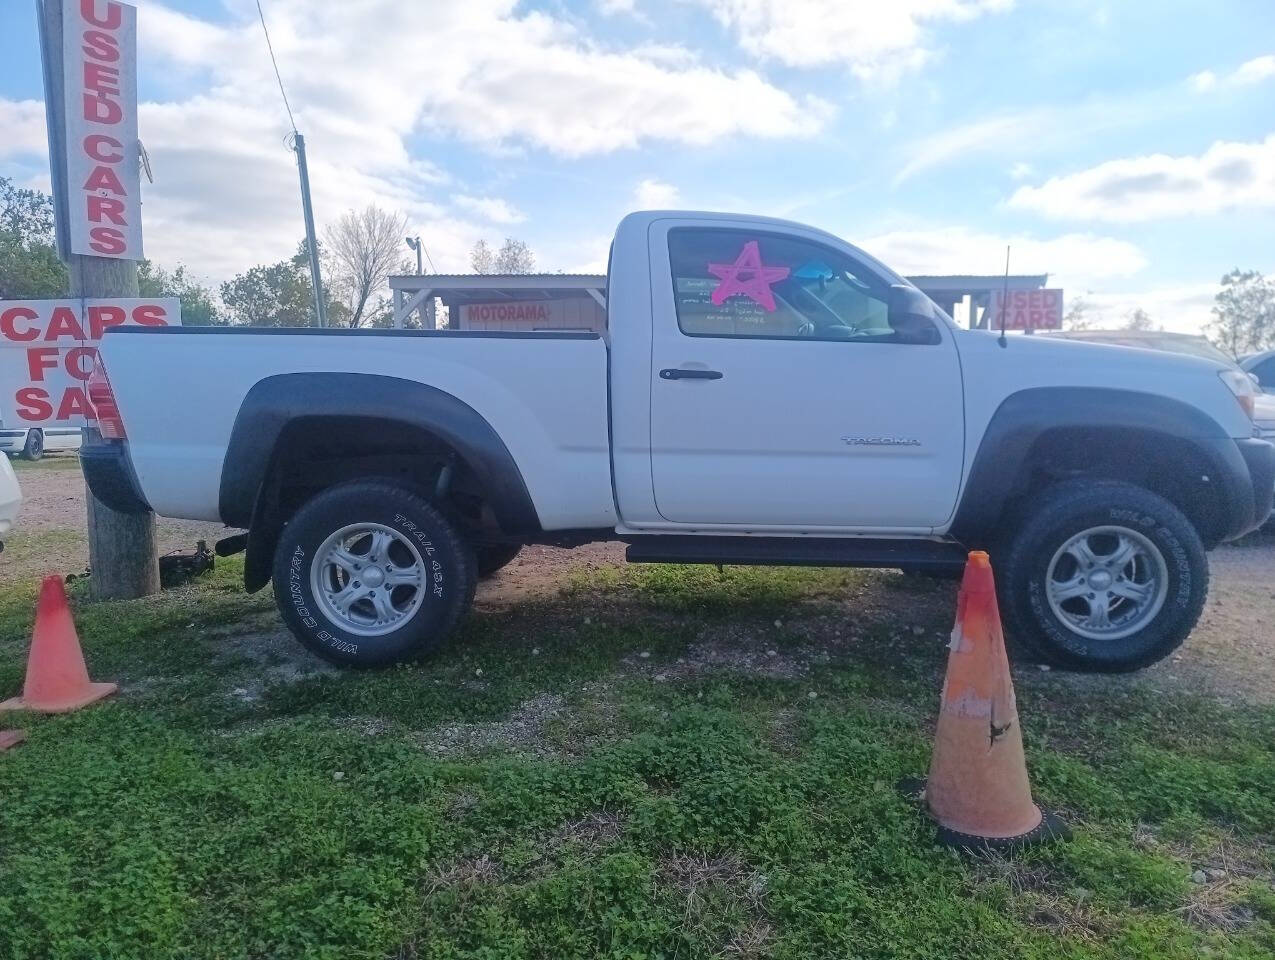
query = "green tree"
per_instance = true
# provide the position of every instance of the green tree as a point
(279, 295)
(1244, 313)
(199, 306)
(29, 264)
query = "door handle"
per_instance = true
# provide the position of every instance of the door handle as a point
(684, 373)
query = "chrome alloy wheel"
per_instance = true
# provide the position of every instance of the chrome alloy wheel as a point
(368, 579)
(1107, 582)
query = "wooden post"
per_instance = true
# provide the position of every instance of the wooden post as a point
(122, 551)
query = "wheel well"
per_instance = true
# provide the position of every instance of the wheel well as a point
(315, 453)
(1169, 466)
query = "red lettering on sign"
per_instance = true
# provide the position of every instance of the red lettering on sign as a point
(40, 359)
(103, 178)
(79, 362)
(150, 315)
(110, 20)
(74, 404)
(9, 326)
(64, 323)
(101, 46)
(108, 208)
(102, 80)
(103, 316)
(94, 143)
(101, 110)
(106, 240)
(33, 404)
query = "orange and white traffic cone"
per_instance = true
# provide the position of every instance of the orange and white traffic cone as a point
(978, 789)
(57, 680)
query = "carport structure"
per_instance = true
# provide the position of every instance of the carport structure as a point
(506, 302)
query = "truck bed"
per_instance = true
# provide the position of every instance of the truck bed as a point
(180, 390)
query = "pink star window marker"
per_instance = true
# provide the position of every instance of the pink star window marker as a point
(747, 276)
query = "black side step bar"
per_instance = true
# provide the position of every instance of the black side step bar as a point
(796, 551)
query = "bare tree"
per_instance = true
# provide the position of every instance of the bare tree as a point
(515, 257)
(364, 247)
(481, 258)
(1079, 316)
(1244, 313)
(1138, 319)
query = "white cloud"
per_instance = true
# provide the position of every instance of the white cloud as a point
(874, 38)
(491, 209)
(1226, 176)
(365, 77)
(1180, 309)
(1021, 170)
(1075, 260)
(652, 194)
(611, 7)
(1245, 75)
(23, 124)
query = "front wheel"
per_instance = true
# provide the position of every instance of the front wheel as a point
(1102, 576)
(368, 574)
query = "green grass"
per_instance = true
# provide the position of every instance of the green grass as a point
(541, 789)
(51, 461)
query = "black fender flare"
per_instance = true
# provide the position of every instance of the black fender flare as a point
(246, 499)
(1024, 416)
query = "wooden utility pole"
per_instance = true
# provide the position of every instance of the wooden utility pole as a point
(122, 551)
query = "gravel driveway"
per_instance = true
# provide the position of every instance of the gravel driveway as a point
(1230, 655)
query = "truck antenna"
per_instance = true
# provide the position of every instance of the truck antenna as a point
(1005, 300)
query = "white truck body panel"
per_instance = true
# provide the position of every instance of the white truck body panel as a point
(546, 398)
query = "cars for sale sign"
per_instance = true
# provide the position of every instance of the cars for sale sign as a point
(103, 182)
(1027, 310)
(47, 350)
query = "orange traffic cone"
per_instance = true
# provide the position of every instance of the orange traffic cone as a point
(978, 788)
(57, 679)
(10, 738)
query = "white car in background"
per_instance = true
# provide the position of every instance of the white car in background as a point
(10, 498)
(32, 443)
(1262, 367)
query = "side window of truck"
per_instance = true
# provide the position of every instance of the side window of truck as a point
(740, 283)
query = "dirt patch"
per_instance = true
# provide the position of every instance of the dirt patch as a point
(522, 732)
(50, 533)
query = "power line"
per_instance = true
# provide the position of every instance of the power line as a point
(270, 47)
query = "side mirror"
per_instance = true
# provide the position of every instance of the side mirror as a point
(911, 315)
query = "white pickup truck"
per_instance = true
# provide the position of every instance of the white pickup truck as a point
(765, 394)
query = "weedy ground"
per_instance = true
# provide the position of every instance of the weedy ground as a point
(644, 762)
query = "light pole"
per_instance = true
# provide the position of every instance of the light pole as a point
(415, 244)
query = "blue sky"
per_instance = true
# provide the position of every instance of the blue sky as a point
(1127, 148)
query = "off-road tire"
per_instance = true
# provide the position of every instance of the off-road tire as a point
(493, 557)
(1065, 510)
(33, 449)
(448, 558)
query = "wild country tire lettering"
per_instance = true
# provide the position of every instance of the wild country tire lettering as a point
(298, 601)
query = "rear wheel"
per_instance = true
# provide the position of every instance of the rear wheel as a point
(493, 557)
(1102, 576)
(368, 574)
(34, 447)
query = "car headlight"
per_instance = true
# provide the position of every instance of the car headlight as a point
(1241, 384)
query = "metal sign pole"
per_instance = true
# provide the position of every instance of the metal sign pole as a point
(320, 309)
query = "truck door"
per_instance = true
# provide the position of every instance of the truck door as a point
(781, 396)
